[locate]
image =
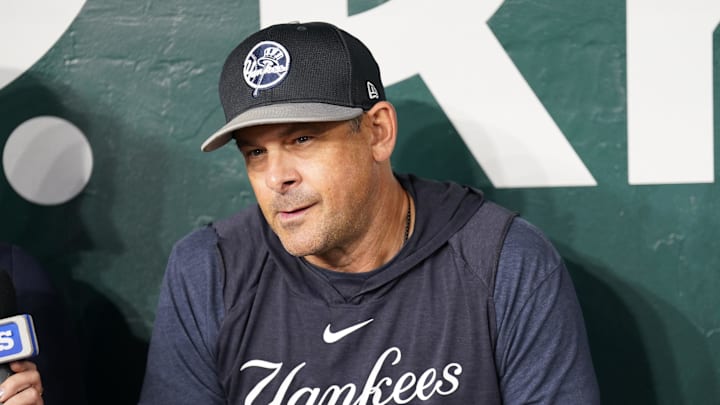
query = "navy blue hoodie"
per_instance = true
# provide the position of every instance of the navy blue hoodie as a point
(241, 321)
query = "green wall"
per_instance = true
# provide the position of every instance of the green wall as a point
(139, 79)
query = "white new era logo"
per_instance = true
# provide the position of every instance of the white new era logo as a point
(372, 91)
(332, 337)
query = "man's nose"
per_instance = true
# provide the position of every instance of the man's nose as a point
(281, 174)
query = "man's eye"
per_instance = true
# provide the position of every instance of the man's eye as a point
(302, 139)
(253, 153)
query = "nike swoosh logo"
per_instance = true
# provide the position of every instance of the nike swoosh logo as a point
(332, 337)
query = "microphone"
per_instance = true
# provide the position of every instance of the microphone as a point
(17, 332)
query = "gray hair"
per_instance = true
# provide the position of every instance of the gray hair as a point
(355, 123)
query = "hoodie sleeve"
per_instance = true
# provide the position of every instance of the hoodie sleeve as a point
(542, 352)
(181, 358)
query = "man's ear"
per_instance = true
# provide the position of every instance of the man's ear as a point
(381, 120)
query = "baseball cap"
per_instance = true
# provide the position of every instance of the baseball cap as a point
(297, 72)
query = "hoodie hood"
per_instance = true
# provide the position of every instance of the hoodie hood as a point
(441, 210)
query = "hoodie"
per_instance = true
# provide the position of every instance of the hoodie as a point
(266, 327)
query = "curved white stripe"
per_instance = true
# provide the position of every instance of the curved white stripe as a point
(28, 29)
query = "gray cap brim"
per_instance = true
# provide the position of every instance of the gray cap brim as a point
(279, 114)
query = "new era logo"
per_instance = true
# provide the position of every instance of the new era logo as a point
(372, 91)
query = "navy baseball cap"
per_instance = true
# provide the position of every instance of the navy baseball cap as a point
(296, 72)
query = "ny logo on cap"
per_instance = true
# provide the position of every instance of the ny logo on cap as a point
(266, 65)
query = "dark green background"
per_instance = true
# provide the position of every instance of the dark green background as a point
(139, 79)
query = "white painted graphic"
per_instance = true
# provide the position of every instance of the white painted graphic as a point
(501, 120)
(28, 29)
(470, 75)
(670, 90)
(670, 85)
(47, 160)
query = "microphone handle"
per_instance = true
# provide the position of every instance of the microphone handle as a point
(5, 372)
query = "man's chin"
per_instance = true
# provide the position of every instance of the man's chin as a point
(298, 248)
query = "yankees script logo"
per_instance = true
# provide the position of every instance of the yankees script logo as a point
(377, 390)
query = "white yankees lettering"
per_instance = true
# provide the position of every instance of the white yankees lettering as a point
(377, 390)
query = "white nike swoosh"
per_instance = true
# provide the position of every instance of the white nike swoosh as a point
(332, 337)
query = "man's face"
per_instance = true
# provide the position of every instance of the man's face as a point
(314, 182)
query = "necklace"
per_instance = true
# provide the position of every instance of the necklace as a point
(407, 219)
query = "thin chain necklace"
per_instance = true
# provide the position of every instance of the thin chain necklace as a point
(407, 219)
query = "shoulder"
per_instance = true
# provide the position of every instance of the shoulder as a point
(541, 348)
(200, 238)
(241, 225)
(219, 261)
(527, 260)
(525, 244)
(518, 245)
(193, 282)
(195, 248)
(531, 279)
(202, 244)
(480, 240)
(192, 269)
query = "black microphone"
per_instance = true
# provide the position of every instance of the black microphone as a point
(17, 332)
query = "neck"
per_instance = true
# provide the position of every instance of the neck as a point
(383, 239)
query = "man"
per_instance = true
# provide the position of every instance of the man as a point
(348, 283)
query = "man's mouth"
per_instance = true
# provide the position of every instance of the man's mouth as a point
(293, 213)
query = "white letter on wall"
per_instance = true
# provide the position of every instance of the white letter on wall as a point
(470, 75)
(670, 90)
(28, 29)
